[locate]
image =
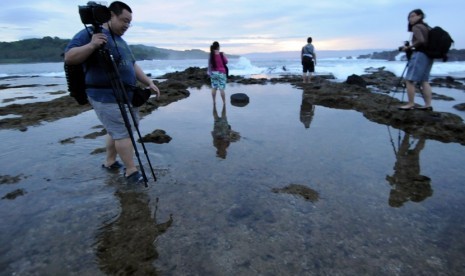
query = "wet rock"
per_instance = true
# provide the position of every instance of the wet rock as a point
(35, 113)
(300, 190)
(191, 77)
(68, 140)
(98, 151)
(356, 80)
(442, 97)
(8, 179)
(448, 82)
(171, 90)
(253, 81)
(158, 136)
(14, 194)
(381, 108)
(460, 107)
(239, 99)
(94, 135)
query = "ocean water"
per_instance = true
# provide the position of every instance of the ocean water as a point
(340, 67)
(381, 201)
(50, 76)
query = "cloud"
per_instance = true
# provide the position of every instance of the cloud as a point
(160, 26)
(23, 15)
(242, 25)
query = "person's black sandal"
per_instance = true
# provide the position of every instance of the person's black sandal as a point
(426, 108)
(113, 167)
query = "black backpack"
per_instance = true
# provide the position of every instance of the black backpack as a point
(76, 79)
(439, 43)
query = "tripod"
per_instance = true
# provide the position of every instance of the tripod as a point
(109, 64)
(399, 84)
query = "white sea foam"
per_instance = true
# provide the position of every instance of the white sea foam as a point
(341, 67)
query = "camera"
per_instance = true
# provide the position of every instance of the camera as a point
(94, 14)
(406, 44)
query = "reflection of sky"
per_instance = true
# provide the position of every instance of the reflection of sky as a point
(225, 216)
(37, 90)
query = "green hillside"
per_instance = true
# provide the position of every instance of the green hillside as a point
(50, 49)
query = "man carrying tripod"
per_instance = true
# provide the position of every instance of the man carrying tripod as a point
(83, 49)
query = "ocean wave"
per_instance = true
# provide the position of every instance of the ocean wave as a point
(341, 68)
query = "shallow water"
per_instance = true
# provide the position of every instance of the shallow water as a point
(227, 218)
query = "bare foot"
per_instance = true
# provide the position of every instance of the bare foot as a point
(406, 107)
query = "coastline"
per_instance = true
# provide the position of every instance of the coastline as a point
(369, 94)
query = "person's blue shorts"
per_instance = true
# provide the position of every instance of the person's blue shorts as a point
(110, 116)
(218, 80)
(419, 67)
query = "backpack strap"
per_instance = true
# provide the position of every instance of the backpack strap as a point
(224, 65)
(90, 31)
(222, 59)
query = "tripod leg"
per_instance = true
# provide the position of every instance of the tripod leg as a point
(133, 141)
(131, 110)
(133, 117)
(122, 100)
(399, 84)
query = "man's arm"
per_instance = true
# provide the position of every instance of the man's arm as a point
(142, 77)
(78, 55)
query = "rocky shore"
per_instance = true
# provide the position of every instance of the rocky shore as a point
(453, 55)
(369, 94)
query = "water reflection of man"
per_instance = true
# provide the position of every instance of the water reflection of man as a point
(126, 245)
(307, 110)
(407, 183)
(222, 133)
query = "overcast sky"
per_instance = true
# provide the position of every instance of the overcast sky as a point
(244, 26)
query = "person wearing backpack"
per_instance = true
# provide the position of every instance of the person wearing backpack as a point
(419, 65)
(99, 91)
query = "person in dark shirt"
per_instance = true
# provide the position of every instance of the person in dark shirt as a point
(99, 91)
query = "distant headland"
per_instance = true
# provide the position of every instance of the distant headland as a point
(50, 49)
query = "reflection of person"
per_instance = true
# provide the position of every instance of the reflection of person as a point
(307, 110)
(81, 49)
(308, 59)
(126, 246)
(217, 71)
(419, 65)
(407, 183)
(222, 133)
